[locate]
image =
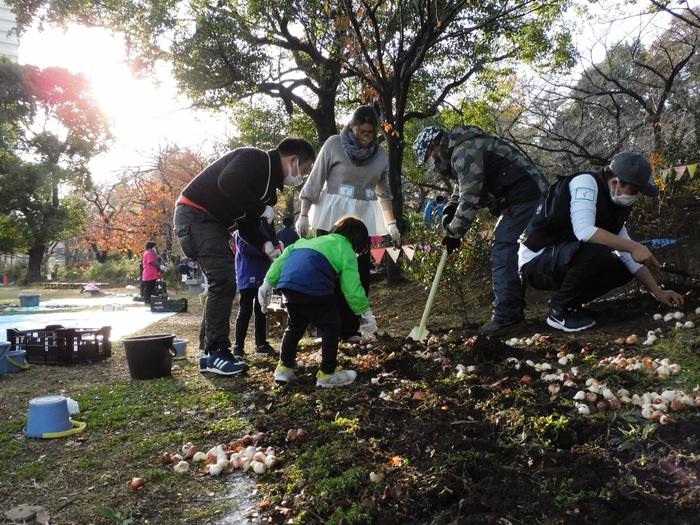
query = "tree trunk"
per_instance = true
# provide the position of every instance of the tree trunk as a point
(394, 270)
(36, 258)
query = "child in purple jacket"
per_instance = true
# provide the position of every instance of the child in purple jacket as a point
(251, 266)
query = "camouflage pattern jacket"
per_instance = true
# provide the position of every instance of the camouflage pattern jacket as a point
(489, 172)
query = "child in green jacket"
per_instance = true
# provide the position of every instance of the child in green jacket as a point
(306, 274)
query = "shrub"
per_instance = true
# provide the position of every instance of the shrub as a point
(471, 262)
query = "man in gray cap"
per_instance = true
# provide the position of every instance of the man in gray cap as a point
(489, 173)
(577, 245)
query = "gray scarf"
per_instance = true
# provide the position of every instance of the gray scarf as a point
(358, 155)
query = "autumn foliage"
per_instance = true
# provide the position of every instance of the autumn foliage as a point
(139, 207)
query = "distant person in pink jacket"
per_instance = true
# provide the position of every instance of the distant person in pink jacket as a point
(152, 269)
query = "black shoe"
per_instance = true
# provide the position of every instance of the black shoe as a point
(570, 320)
(495, 328)
(238, 353)
(265, 350)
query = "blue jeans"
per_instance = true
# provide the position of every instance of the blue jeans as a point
(204, 239)
(508, 288)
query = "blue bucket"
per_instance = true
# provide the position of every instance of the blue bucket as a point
(16, 360)
(4, 348)
(180, 346)
(49, 418)
(30, 299)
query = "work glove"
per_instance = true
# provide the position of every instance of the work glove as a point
(448, 213)
(163, 267)
(271, 250)
(303, 225)
(451, 243)
(265, 295)
(368, 325)
(395, 235)
(269, 214)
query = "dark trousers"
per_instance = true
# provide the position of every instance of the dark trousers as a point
(508, 288)
(204, 239)
(148, 287)
(324, 315)
(247, 305)
(577, 274)
(349, 319)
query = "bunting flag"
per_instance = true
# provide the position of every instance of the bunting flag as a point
(680, 170)
(378, 254)
(692, 168)
(393, 253)
(409, 250)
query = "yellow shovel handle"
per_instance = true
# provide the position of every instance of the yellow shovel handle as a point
(78, 427)
(22, 366)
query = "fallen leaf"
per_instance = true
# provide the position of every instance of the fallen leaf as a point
(500, 381)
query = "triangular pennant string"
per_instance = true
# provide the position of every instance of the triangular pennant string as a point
(378, 254)
(409, 250)
(679, 169)
(393, 253)
(692, 168)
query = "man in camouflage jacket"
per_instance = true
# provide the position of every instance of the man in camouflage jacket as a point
(489, 173)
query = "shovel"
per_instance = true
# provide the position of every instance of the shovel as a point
(674, 270)
(419, 332)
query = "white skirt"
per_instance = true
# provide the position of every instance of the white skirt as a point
(330, 208)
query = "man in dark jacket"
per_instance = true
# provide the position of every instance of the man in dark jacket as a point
(490, 173)
(233, 193)
(577, 245)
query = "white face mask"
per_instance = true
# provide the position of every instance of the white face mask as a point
(623, 199)
(290, 180)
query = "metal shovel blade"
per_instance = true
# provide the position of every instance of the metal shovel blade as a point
(420, 332)
(674, 270)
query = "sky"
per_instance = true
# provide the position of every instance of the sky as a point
(145, 116)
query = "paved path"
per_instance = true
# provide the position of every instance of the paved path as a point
(134, 316)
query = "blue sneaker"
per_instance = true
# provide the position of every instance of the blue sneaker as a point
(224, 363)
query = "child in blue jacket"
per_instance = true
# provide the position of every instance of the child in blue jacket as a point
(306, 274)
(251, 267)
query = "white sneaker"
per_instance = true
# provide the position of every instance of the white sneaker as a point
(338, 378)
(284, 374)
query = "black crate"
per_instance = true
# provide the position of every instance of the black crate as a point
(165, 304)
(56, 345)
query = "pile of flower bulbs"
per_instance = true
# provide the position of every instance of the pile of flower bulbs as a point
(223, 458)
(537, 339)
(678, 318)
(653, 405)
(664, 368)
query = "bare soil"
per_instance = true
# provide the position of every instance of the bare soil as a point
(488, 447)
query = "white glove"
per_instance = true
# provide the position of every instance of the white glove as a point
(265, 295)
(368, 325)
(269, 214)
(395, 235)
(303, 225)
(271, 251)
(163, 267)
